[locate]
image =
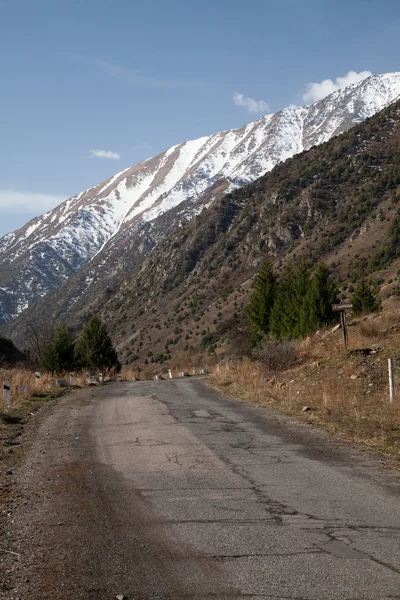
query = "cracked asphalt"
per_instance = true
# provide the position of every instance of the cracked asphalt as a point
(169, 490)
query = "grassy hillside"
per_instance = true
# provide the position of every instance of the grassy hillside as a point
(345, 392)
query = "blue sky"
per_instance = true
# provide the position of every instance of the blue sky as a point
(90, 87)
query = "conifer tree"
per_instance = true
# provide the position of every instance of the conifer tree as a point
(95, 349)
(286, 314)
(365, 299)
(262, 300)
(317, 305)
(59, 354)
(300, 289)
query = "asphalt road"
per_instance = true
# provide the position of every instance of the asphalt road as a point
(168, 490)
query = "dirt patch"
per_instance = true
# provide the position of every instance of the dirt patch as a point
(18, 429)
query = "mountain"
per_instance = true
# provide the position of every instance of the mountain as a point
(339, 201)
(131, 213)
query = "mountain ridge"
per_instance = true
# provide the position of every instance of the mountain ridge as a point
(50, 249)
(338, 202)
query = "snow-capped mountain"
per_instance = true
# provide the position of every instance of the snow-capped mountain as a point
(41, 255)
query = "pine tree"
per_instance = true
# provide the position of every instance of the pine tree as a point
(286, 314)
(280, 322)
(365, 299)
(262, 300)
(59, 354)
(300, 289)
(95, 349)
(317, 305)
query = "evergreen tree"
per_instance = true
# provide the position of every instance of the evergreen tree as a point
(279, 318)
(262, 300)
(300, 289)
(286, 314)
(365, 299)
(59, 355)
(95, 349)
(317, 305)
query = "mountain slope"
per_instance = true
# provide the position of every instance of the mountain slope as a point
(339, 201)
(98, 222)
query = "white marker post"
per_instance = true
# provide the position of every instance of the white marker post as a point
(7, 393)
(391, 380)
(170, 373)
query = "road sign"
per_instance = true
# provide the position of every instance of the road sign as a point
(343, 306)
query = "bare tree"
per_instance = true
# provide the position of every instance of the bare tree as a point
(38, 336)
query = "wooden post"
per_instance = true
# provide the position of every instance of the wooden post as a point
(344, 327)
(391, 380)
(341, 308)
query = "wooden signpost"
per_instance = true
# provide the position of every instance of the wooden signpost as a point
(341, 308)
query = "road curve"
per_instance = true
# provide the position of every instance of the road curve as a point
(169, 490)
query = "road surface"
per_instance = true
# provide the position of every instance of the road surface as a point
(169, 490)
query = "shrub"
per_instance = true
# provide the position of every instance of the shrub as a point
(276, 356)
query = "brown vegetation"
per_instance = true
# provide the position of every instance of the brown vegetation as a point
(344, 392)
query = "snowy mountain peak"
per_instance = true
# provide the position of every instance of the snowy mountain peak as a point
(49, 249)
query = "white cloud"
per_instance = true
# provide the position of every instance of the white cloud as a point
(12, 201)
(318, 91)
(253, 106)
(104, 154)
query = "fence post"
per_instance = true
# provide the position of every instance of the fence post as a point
(7, 393)
(391, 380)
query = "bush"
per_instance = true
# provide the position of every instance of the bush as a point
(276, 356)
(372, 329)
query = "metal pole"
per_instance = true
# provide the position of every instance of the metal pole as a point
(391, 380)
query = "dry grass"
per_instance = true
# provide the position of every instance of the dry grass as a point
(25, 385)
(244, 379)
(344, 392)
